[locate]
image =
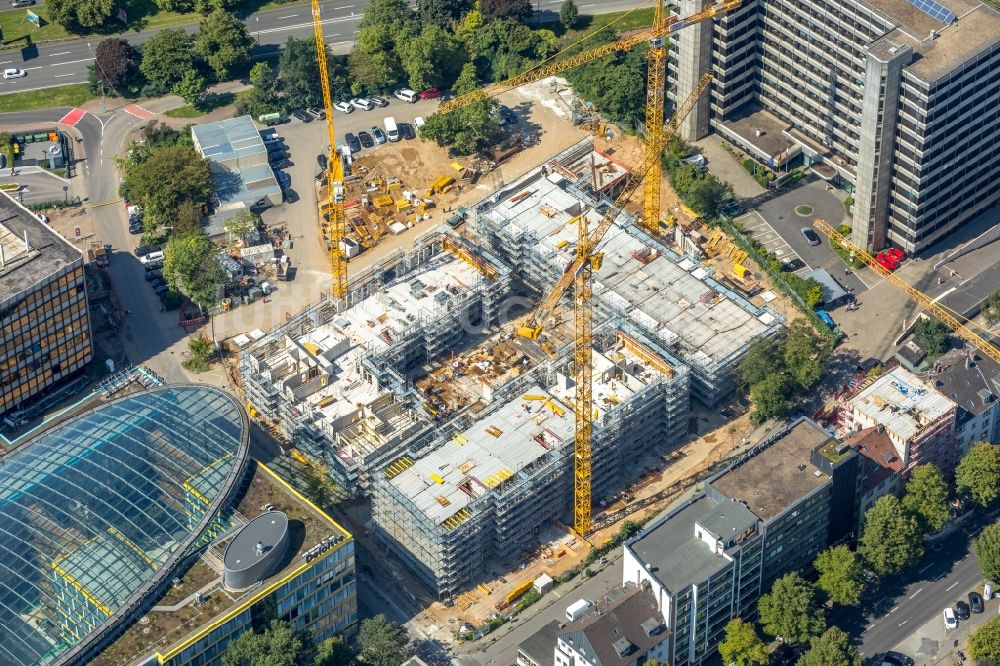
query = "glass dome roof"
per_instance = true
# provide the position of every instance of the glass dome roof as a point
(99, 510)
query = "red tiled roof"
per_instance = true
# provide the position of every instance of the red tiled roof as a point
(879, 460)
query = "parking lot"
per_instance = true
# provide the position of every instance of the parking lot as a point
(764, 233)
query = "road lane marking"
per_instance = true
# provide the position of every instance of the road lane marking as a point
(344, 7)
(71, 62)
(6, 62)
(30, 68)
(927, 567)
(916, 593)
(948, 589)
(57, 76)
(903, 622)
(340, 19)
(289, 16)
(894, 610)
(53, 55)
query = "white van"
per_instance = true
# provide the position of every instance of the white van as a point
(419, 122)
(578, 609)
(151, 257)
(406, 95)
(391, 130)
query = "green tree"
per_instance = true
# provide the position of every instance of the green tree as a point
(933, 336)
(334, 651)
(383, 642)
(492, 10)
(262, 76)
(891, 540)
(508, 47)
(978, 473)
(261, 98)
(805, 353)
(241, 224)
(433, 58)
(465, 130)
(616, 86)
(708, 194)
(223, 43)
(840, 575)
(926, 498)
(278, 645)
(116, 65)
(180, 6)
(791, 610)
(568, 14)
(769, 398)
(984, 643)
(742, 646)
(319, 487)
(833, 648)
(467, 31)
(987, 547)
(374, 62)
(191, 267)
(991, 308)
(442, 13)
(166, 57)
(763, 359)
(209, 6)
(191, 88)
(80, 16)
(187, 219)
(467, 81)
(169, 176)
(300, 73)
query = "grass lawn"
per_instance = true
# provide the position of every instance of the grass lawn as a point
(74, 94)
(211, 103)
(16, 29)
(619, 22)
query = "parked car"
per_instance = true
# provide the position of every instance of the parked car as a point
(155, 274)
(151, 257)
(284, 180)
(962, 610)
(732, 209)
(366, 139)
(430, 93)
(893, 658)
(887, 261)
(379, 135)
(318, 114)
(344, 107)
(352, 143)
(378, 101)
(21, 3)
(135, 228)
(14, 73)
(406, 95)
(811, 236)
(142, 250)
(283, 163)
(302, 115)
(406, 131)
(362, 104)
(160, 289)
(976, 602)
(950, 621)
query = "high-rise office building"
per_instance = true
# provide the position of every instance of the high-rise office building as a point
(894, 100)
(44, 322)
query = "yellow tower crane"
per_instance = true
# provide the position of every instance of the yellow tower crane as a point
(336, 226)
(579, 273)
(948, 317)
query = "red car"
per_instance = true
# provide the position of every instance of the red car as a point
(887, 261)
(430, 93)
(896, 254)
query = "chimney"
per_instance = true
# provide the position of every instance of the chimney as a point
(260, 548)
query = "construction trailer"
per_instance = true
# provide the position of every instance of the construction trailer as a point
(531, 224)
(334, 382)
(491, 481)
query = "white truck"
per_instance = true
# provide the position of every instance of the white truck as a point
(391, 130)
(578, 609)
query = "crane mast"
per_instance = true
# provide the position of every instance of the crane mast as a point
(948, 317)
(336, 227)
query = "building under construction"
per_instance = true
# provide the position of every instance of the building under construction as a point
(532, 224)
(494, 479)
(334, 381)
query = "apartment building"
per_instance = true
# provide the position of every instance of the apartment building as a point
(625, 630)
(972, 380)
(918, 418)
(709, 560)
(880, 468)
(44, 318)
(894, 100)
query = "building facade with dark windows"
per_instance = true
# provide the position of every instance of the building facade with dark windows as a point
(44, 319)
(140, 532)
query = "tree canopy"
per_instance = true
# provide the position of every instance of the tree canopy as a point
(991, 308)
(933, 336)
(978, 473)
(926, 498)
(432, 58)
(987, 548)
(223, 43)
(191, 87)
(241, 224)
(833, 648)
(383, 642)
(280, 645)
(116, 64)
(891, 540)
(499, 9)
(442, 12)
(170, 176)
(464, 130)
(80, 16)
(791, 610)
(166, 57)
(742, 646)
(841, 576)
(614, 84)
(984, 643)
(568, 14)
(191, 267)
(374, 62)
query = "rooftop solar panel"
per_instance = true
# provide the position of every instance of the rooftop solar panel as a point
(934, 10)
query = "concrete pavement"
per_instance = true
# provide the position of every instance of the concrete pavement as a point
(63, 62)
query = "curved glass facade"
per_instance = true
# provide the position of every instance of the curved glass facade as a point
(97, 511)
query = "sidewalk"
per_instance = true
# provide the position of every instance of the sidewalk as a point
(932, 644)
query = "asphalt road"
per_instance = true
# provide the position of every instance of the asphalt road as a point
(896, 608)
(60, 63)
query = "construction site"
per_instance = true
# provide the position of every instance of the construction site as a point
(531, 224)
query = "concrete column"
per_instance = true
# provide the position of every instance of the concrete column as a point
(879, 111)
(694, 58)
